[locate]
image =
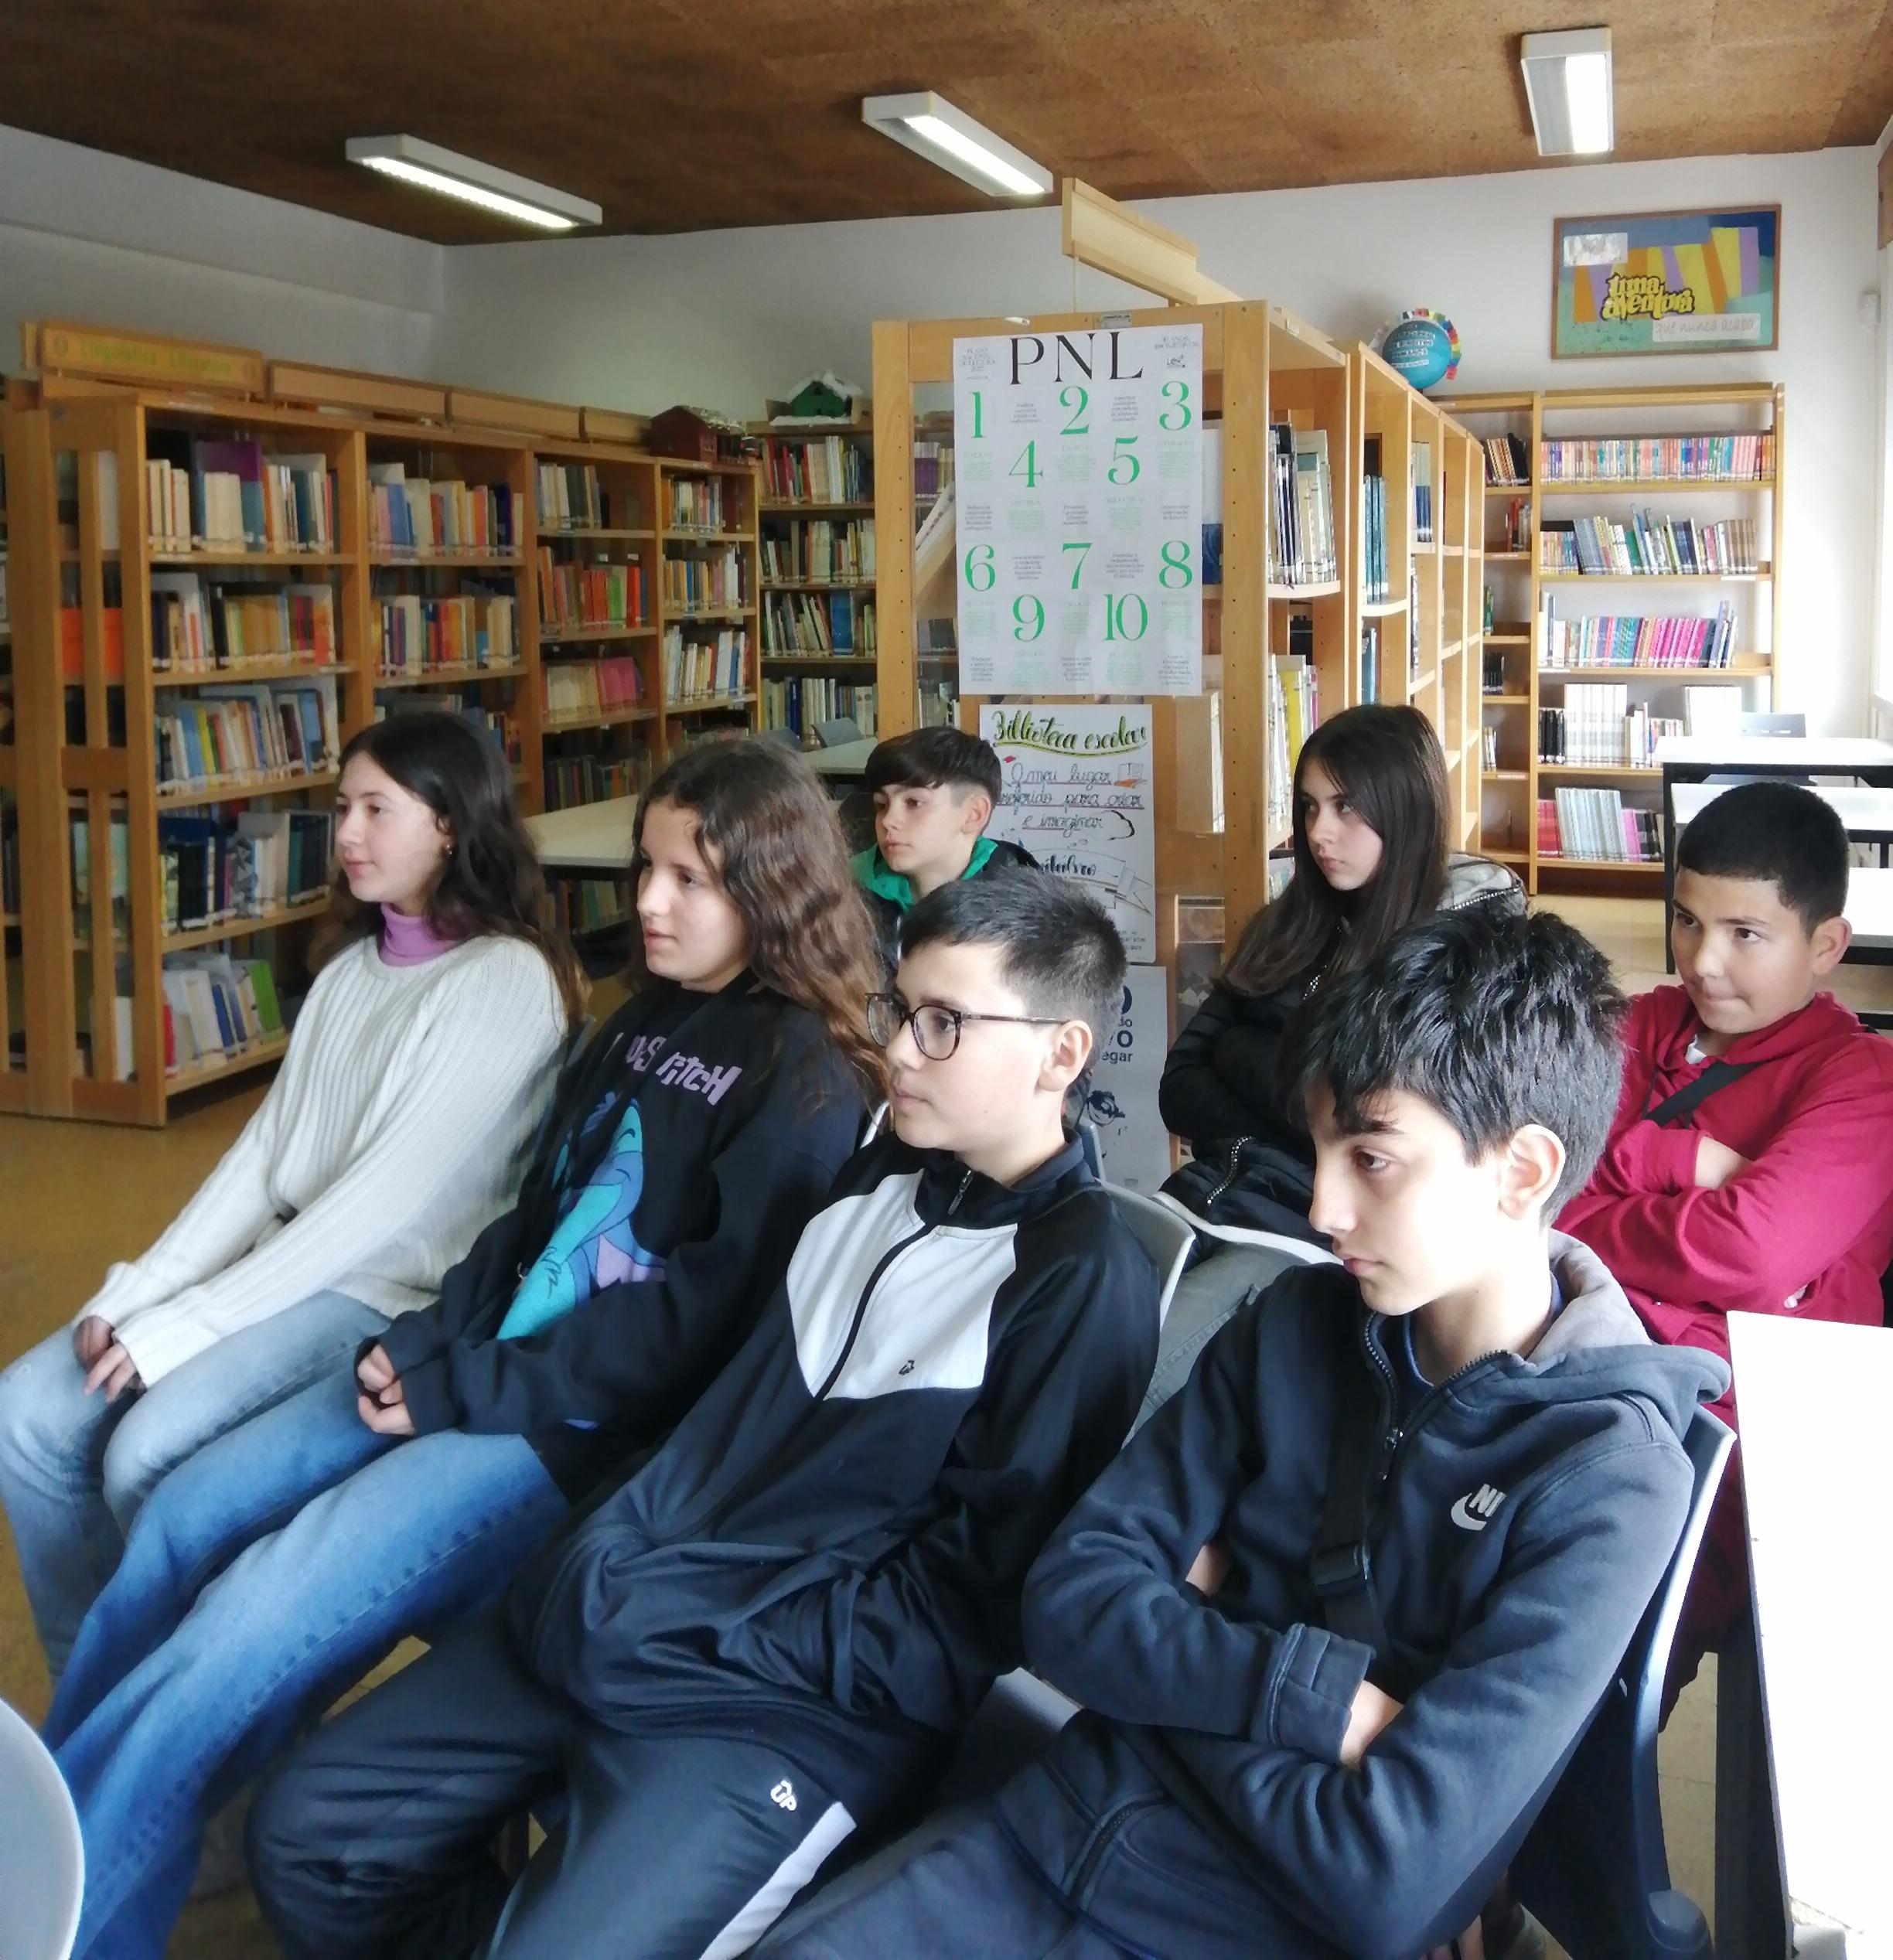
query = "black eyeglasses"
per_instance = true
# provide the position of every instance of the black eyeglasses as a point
(936, 1029)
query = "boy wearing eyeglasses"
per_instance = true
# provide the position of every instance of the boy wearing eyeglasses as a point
(774, 1631)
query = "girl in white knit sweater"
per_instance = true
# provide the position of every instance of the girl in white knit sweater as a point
(414, 1081)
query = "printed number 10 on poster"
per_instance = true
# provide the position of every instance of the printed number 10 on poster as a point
(1078, 462)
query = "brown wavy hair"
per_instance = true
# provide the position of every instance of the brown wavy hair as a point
(1387, 761)
(769, 830)
(491, 886)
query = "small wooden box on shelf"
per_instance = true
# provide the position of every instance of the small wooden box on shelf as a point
(1674, 488)
(818, 575)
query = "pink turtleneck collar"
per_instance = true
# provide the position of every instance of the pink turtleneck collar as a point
(410, 942)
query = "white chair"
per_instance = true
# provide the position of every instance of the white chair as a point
(42, 1860)
(1303, 1252)
(1161, 1232)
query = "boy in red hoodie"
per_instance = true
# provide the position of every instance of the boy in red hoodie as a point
(1748, 1168)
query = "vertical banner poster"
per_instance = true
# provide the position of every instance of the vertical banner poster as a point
(1077, 794)
(1078, 463)
(1122, 1103)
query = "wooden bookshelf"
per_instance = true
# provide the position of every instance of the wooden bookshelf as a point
(1430, 626)
(1522, 586)
(808, 470)
(729, 550)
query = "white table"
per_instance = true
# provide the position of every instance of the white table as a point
(594, 837)
(1816, 1468)
(1867, 814)
(846, 758)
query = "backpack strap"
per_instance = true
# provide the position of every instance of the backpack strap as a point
(1672, 1110)
(1341, 1569)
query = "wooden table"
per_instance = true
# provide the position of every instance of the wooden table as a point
(1690, 758)
(1816, 1469)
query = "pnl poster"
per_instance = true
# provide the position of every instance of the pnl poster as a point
(1076, 794)
(1078, 468)
(1125, 1074)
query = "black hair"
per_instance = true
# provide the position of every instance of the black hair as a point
(1058, 951)
(1779, 834)
(491, 883)
(1495, 1021)
(924, 759)
(1387, 761)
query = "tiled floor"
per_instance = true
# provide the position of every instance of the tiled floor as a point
(78, 1196)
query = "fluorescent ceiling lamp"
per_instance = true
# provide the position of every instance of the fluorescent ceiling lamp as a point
(1567, 82)
(473, 182)
(931, 126)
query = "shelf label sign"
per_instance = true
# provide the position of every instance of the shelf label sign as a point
(1078, 461)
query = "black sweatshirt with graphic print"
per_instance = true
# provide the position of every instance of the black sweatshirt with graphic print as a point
(747, 1111)
(835, 1536)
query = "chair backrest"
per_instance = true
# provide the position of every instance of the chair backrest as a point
(1162, 1234)
(832, 734)
(41, 1858)
(1772, 724)
(1592, 1867)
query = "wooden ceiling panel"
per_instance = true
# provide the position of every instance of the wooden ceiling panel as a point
(689, 114)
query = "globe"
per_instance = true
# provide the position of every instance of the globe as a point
(1420, 351)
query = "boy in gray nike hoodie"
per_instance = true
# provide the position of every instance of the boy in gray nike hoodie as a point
(1336, 1613)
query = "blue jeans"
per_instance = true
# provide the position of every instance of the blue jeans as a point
(343, 1542)
(74, 1468)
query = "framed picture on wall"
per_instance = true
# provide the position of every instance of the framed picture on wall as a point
(1666, 282)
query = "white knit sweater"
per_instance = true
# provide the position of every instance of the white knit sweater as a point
(394, 1133)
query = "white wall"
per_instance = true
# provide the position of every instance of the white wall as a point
(724, 318)
(96, 238)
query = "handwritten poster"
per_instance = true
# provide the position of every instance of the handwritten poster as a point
(1079, 514)
(1076, 794)
(1122, 1104)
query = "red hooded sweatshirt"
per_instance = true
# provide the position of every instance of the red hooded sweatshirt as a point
(1808, 1228)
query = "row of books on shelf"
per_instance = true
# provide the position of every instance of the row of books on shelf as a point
(589, 595)
(1302, 535)
(227, 495)
(499, 724)
(1377, 586)
(1736, 457)
(1421, 464)
(936, 637)
(1596, 826)
(1515, 534)
(1643, 641)
(596, 776)
(569, 497)
(818, 623)
(814, 551)
(933, 468)
(590, 905)
(1508, 459)
(804, 702)
(705, 581)
(473, 628)
(1294, 714)
(1649, 547)
(418, 515)
(1597, 727)
(218, 870)
(1492, 671)
(239, 731)
(1370, 660)
(704, 667)
(216, 1008)
(200, 628)
(818, 469)
(1488, 746)
(701, 503)
(574, 689)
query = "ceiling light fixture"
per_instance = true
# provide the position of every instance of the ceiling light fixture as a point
(1567, 83)
(931, 126)
(473, 182)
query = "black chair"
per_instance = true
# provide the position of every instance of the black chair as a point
(1592, 1869)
